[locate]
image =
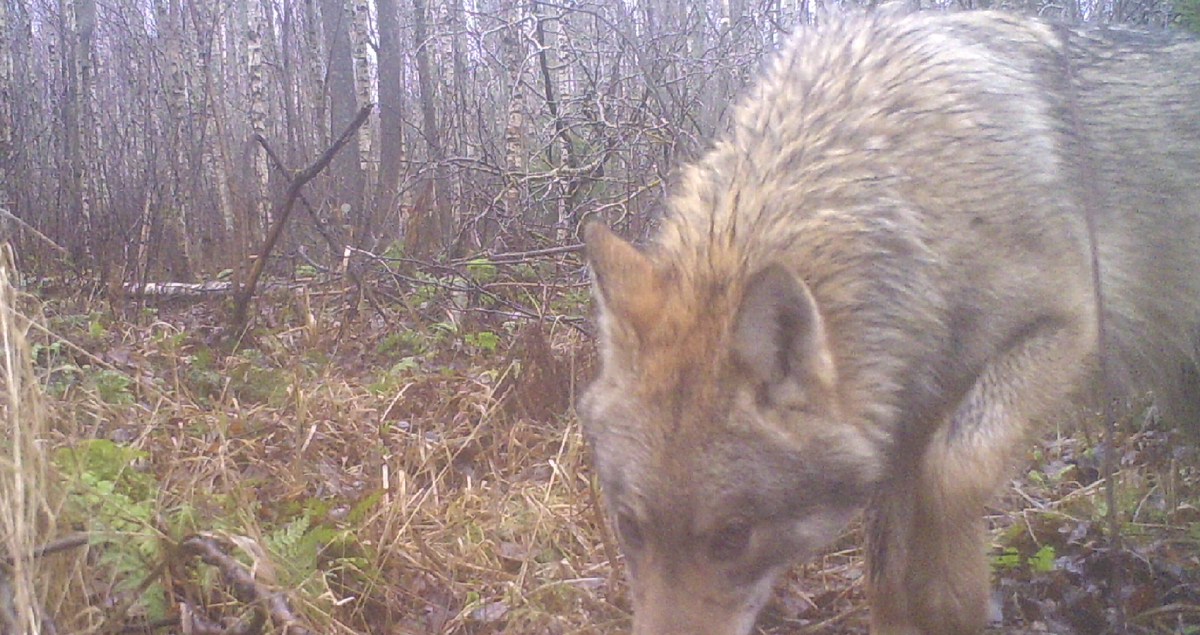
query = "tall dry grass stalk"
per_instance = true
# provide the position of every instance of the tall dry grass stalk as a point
(26, 519)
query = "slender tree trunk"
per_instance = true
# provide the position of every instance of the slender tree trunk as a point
(514, 129)
(217, 155)
(175, 222)
(85, 73)
(291, 121)
(546, 34)
(257, 100)
(360, 39)
(314, 54)
(440, 230)
(340, 89)
(79, 17)
(391, 119)
(7, 113)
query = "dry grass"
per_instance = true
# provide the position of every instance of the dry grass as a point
(380, 497)
(32, 589)
(389, 474)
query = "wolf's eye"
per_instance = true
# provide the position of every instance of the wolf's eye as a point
(629, 530)
(730, 541)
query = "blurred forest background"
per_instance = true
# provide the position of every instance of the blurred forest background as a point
(383, 440)
(127, 128)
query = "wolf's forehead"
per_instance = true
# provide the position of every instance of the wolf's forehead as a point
(671, 479)
(669, 442)
(698, 482)
(678, 372)
(677, 409)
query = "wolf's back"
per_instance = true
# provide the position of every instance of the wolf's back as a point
(1138, 100)
(1038, 133)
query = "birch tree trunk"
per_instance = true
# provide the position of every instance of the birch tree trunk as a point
(257, 100)
(79, 21)
(174, 206)
(514, 129)
(360, 39)
(391, 119)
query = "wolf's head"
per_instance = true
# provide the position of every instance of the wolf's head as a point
(718, 432)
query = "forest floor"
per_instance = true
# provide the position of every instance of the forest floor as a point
(413, 466)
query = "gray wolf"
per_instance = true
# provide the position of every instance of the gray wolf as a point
(872, 287)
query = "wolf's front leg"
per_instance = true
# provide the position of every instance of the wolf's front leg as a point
(927, 570)
(926, 554)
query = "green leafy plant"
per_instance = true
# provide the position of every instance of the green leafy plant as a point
(116, 501)
(295, 544)
(1043, 560)
(395, 251)
(96, 328)
(481, 270)
(112, 386)
(254, 379)
(47, 352)
(107, 467)
(426, 291)
(484, 340)
(308, 551)
(573, 302)
(1011, 559)
(402, 342)
(201, 374)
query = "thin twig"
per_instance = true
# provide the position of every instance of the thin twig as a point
(9, 215)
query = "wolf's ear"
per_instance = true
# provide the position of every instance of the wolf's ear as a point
(780, 337)
(625, 280)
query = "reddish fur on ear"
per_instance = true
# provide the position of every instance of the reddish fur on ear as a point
(626, 281)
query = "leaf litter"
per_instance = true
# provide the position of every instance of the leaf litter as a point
(397, 476)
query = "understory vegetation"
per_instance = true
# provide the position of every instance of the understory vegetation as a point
(400, 456)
